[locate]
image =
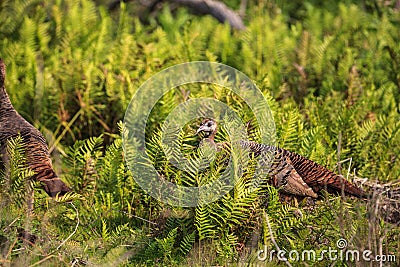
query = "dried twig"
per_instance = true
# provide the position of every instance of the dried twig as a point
(76, 227)
(42, 260)
(273, 239)
(242, 9)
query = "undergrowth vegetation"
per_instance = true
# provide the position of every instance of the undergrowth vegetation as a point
(329, 71)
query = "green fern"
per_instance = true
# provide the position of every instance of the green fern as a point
(187, 243)
(82, 161)
(15, 180)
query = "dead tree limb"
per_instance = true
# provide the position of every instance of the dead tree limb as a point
(216, 9)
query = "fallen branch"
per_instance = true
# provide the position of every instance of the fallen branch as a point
(216, 9)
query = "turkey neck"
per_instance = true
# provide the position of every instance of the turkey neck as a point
(212, 135)
(5, 104)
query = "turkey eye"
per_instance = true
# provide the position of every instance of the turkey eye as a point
(209, 124)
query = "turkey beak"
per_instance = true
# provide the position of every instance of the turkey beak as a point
(202, 128)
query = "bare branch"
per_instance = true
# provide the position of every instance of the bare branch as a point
(242, 9)
(216, 9)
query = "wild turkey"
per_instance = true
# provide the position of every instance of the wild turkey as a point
(293, 173)
(37, 154)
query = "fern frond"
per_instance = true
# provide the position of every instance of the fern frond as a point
(16, 176)
(187, 243)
